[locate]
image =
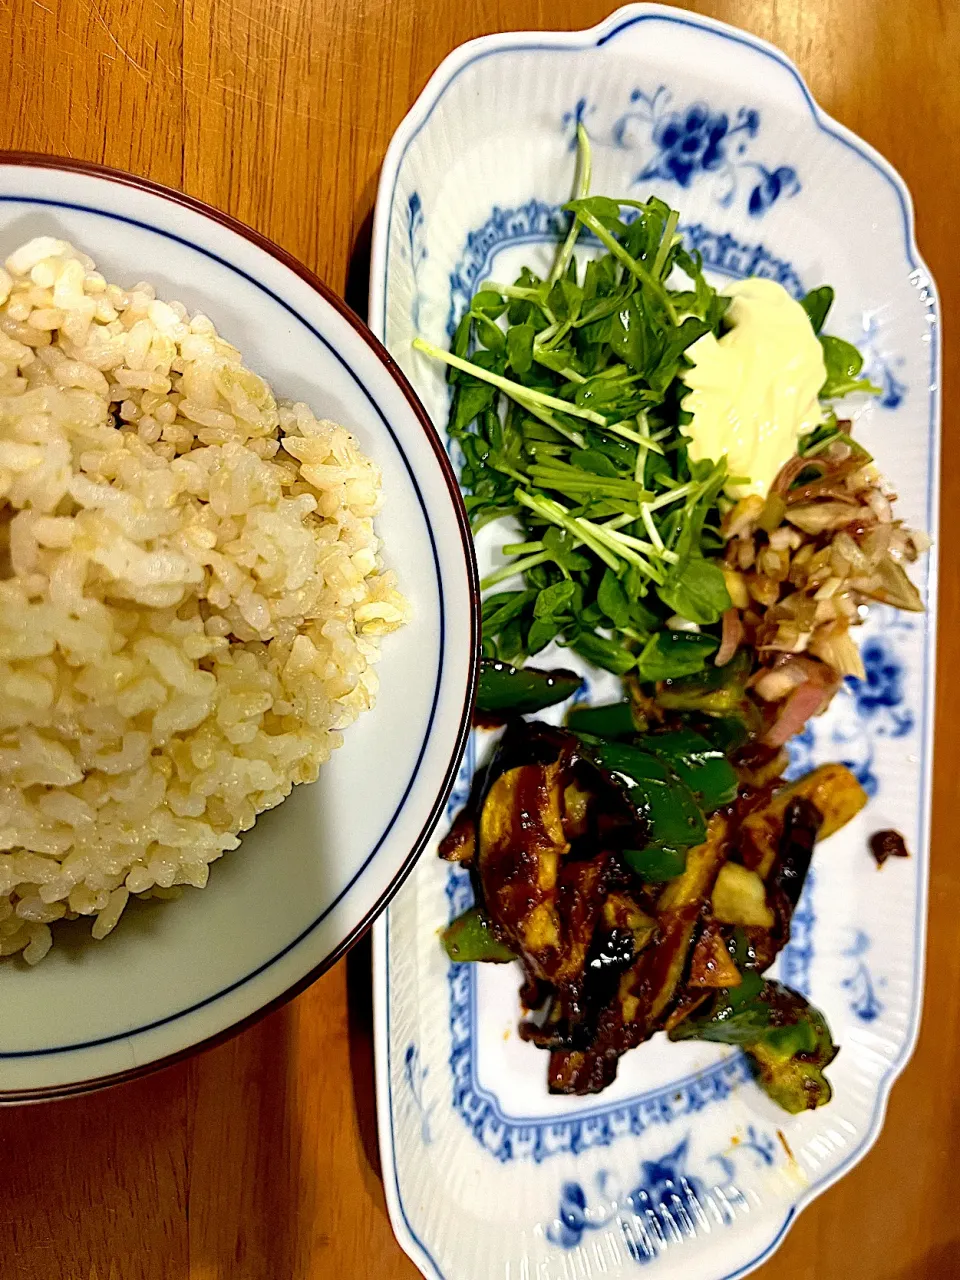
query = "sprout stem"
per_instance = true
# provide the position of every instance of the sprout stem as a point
(584, 166)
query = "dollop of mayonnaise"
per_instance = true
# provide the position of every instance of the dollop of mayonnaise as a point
(753, 391)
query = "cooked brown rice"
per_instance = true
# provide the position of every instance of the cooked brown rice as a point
(190, 595)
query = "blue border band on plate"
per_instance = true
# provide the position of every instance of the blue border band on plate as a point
(733, 1275)
(729, 34)
(201, 1004)
(857, 147)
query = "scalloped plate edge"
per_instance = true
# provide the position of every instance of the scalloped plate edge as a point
(585, 40)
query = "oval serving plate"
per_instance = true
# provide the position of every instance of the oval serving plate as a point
(683, 1163)
(312, 873)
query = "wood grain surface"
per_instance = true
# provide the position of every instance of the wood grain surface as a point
(257, 1160)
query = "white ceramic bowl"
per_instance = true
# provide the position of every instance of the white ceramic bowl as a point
(312, 873)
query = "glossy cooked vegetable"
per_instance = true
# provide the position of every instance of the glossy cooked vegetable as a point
(650, 985)
(470, 938)
(832, 790)
(887, 844)
(613, 720)
(628, 906)
(506, 690)
(668, 805)
(787, 1039)
(697, 762)
(656, 862)
(544, 797)
(716, 691)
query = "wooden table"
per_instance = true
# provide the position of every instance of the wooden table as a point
(257, 1160)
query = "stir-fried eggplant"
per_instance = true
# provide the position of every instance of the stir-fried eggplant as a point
(711, 965)
(631, 909)
(521, 843)
(831, 789)
(460, 842)
(548, 823)
(646, 989)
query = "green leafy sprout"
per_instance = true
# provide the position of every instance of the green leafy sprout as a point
(566, 405)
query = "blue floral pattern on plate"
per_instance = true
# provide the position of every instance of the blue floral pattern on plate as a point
(415, 1074)
(864, 710)
(693, 141)
(879, 366)
(860, 983)
(688, 143)
(416, 247)
(667, 1204)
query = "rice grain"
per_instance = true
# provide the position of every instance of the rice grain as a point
(191, 595)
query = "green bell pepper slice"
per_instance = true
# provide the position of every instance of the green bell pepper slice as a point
(715, 691)
(787, 1039)
(613, 720)
(702, 766)
(521, 690)
(726, 733)
(673, 816)
(470, 938)
(656, 863)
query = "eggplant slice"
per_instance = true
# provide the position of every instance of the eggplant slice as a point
(609, 958)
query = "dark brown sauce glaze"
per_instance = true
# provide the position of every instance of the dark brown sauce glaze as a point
(888, 844)
(607, 958)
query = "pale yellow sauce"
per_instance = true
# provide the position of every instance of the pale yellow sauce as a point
(753, 391)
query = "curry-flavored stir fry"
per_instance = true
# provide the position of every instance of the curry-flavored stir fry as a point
(646, 882)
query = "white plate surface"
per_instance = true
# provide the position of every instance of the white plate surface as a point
(683, 1165)
(311, 872)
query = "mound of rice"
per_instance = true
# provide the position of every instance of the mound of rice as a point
(190, 595)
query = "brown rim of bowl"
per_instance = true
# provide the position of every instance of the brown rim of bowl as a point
(33, 160)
